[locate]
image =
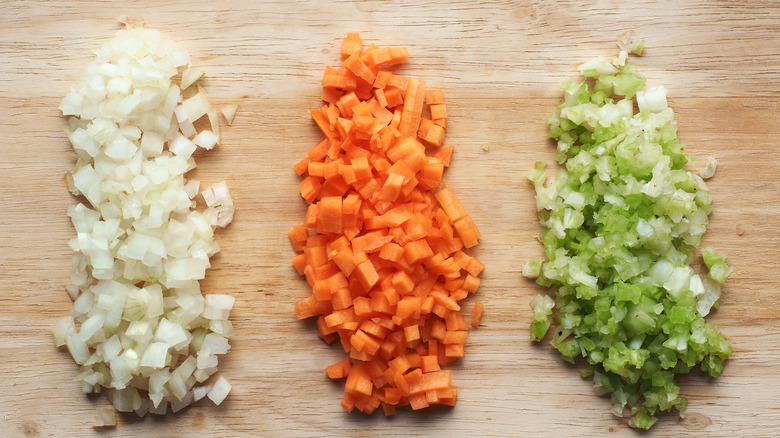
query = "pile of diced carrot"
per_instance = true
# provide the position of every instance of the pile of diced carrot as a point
(383, 254)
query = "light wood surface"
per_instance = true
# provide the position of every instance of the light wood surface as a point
(500, 64)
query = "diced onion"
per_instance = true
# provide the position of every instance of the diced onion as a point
(229, 112)
(709, 168)
(139, 326)
(219, 391)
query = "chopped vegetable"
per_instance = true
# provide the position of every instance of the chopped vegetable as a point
(229, 112)
(140, 328)
(709, 168)
(620, 223)
(382, 251)
(106, 418)
(476, 314)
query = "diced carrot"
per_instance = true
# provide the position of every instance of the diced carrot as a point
(476, 314)
(331, 94)
(299, 262)
(434, 96)
(450, 203)
(432, 381)
(413, 105)
(366, 274)
(388, 409)
(467, 230)
(339, 370)
(435, 135)
(456, 321)
(417, 251)
(330, 214)
(418, 401)
(298, 237)
(358, 381)
(387, 55)
(454, 350)
(429, 363)
(455, 337)
(382, 77)
(343, 80)
(393, 97)
(438, 111)
(351, 45)
(412, 333)
(475, 267)
(385, 259)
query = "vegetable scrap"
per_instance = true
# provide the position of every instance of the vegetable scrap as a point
(140, 328)
(621, 222)
(382, 250)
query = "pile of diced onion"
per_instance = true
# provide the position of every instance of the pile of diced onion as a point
(139, 327)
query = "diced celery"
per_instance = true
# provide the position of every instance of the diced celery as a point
(621, 221)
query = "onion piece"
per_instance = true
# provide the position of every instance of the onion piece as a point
(219, 391)
(190, 76)
(229, 113)
(106, 418)
(139, 324)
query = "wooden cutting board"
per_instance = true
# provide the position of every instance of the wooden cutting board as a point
(499, 64)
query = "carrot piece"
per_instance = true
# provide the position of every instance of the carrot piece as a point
(315, 255)
(410, 151)
(418, 401)
(429, 363)
(417, 250)
(438, 111)
(382, 77)
(385, 259)
(455, 337)
(434, 96)
(387, 55)
(412, 333)
(413, 104)
(454, 350)
(351, 44)
(298, 237)
(388, 409)
(339, 370)
(331, 94)
(299, 262)
(438, 329)
(363, 342)
(393, 97)
(456, 321)
(435, 135)
(450, 203)
(310, 189)
(341, 299)
(425, 126)
(408, 307)
(302, 166)
(468, 231)
(432, 381)
(340, 317)
(337, 79)
(476, 314)
(330, 214)
(366, 274)
(371, 328)
(358, 381)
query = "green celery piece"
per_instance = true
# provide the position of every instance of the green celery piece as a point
(622, 203)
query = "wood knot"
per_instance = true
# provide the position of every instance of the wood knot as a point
(198, 421)
(30, 428)
(696, 421)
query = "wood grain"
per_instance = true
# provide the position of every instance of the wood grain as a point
(499, 64)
